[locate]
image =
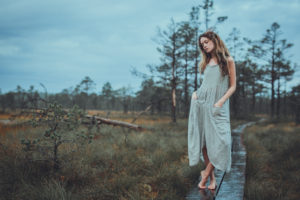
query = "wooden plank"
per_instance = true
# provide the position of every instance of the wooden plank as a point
(233, 185)
(230, 185)
(196, 193)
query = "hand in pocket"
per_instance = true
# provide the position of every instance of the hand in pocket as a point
(194, 96)
(216, 110)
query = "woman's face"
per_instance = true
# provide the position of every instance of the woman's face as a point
(207, 44)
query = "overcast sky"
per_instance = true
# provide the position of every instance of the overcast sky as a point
(59, 42)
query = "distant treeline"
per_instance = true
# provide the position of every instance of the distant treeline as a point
(263, 70)
(150, 94)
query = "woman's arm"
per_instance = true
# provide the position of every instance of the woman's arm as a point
(232, 80)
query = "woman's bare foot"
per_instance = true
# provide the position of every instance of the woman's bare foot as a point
(204, 177)
(213, 184)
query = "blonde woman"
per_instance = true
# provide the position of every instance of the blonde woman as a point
(209, 130)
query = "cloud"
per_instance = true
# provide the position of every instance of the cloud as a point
(58, 42)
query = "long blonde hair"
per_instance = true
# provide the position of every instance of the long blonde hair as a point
(220, 50)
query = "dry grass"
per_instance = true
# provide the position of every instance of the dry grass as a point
(273, 165)
(150, 165)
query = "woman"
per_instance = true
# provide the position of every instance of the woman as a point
(209, 131)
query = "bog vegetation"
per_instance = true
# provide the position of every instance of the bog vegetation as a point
(272, 170)
(54, 160)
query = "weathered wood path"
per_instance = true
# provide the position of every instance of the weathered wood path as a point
(230, 185)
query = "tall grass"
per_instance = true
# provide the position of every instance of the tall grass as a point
(148, 165)
(273, 164)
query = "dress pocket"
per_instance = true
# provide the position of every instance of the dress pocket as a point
(219, 115)
(216, 111)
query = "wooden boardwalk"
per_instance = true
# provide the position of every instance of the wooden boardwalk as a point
(230, 185)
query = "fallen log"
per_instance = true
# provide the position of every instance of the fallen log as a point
(99, 120)
(102, 120)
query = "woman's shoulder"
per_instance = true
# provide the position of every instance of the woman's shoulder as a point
(231, 64)
(230, 59)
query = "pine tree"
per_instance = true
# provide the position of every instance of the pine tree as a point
(186, 33)
(170, 68)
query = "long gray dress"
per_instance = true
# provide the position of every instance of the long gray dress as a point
(208, 125)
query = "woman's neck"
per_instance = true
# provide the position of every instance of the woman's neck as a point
(214, 58)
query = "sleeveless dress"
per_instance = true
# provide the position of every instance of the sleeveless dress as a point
(208, 125)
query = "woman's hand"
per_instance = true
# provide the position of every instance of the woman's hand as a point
(218, 104)
(194, 96)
